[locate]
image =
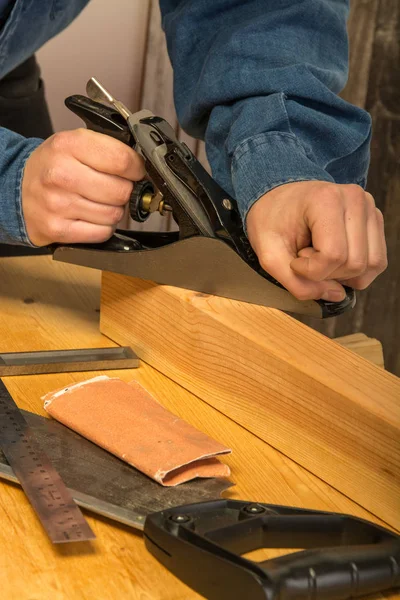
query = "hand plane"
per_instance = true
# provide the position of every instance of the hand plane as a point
(210, 253)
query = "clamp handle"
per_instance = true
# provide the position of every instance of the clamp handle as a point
(203, 545)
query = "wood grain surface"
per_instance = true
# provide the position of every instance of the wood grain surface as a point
(330, 410)
(369, 348)
(46, 305)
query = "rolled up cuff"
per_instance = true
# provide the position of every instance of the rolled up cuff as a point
(267, 161)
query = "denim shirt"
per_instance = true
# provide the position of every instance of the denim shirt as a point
(257, 79)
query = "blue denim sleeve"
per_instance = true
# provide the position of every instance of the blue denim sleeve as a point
(14, 151)
(259, 81)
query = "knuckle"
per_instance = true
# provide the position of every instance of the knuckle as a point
(78, 133)
(360, 264)
(54, 203)
(356, 195)
(337, 256)
(123, 192)
(379, 216)
(356, 266)
(115, 214)
(123, 161)
(61, 140)
(57, 229)
(60, 204)
(370, 199)
(58, 176)
(329, 194)
(49, 176)
(266, 262)
(361, 283)
(378, 263)
(355, 189)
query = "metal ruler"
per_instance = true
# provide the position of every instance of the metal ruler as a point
(65, 361)
(53, 503)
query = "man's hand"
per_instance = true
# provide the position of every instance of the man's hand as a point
(75, 187)
(312, 236)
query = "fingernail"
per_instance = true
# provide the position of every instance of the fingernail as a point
(334, 295)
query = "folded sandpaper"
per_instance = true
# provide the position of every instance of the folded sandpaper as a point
(106, 485)
(127, 421)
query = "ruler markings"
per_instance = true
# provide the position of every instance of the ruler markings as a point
(52, 501)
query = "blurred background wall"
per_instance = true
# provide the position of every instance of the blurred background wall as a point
(106, 41)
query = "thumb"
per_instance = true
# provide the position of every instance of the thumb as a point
(276, 255)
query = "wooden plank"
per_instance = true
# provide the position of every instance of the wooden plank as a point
(328, 409)
(369, 348)
(35, 297)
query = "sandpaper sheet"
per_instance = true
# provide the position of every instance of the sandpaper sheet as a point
(127, 421)
(106, 485)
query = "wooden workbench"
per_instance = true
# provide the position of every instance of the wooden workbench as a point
(48, 305)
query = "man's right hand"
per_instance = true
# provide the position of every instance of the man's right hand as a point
(76, 185)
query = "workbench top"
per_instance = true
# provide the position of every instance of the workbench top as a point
(46, 305)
